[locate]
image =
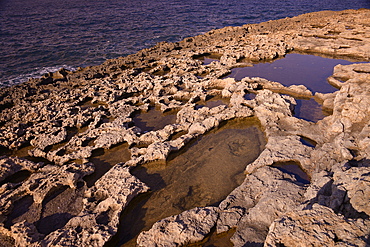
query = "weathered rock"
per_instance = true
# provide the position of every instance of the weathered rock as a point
(355, 181)
(32, 201)
(11, 165)
(188, 227)
(99, 218)
(69, 117)
(317, 227)
(264, 195)
(282, 149)
(56, 136)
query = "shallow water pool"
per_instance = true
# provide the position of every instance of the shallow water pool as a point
(295, 69)
(202, 174)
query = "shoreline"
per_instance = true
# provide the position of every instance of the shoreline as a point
(65, 117)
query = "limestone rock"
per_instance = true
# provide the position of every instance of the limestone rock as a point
(44, 140)
(255, 204)
(68, 117)
(26, 206)
(12, 165)
(103, 204)
(316, 227)
(356, 181)
(188, 227)
(282, 149)
(25, 234)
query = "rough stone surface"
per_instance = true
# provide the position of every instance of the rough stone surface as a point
(318, 226)
(188, 227)
(58, 130)
(99, 218)
(11, 165)
(264, 195)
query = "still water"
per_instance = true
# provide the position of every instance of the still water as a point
(201, 174)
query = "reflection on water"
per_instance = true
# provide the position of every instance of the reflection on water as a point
(294, 169)
(213, 102)
(295, 69)
(309, 110)
(154, 119)
(202, 174)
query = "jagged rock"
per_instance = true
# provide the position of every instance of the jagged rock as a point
(25, 234)
(44, 140)
(188, 227)
(31, 201)
(282, 149)
(229, 218)
(293, 90)
(363, 141)
(317, 227)
(160, 135)
(44, 180)
(319, 188)
(327, 100)
(99, 218)
(12, 165)
(349, 101)
(68, 117)
(262, 199)
(157, 151)
(355, 181)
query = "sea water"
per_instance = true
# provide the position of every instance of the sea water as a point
(46, 35)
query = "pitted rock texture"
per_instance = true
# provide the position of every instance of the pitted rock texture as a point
(57, 124)
(317, 227)
(189, 227)
(103, 204)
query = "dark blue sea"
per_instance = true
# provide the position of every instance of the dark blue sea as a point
(37, 36)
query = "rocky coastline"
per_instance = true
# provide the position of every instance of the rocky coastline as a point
(52, 127)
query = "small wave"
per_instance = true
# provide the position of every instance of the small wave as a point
(35, 73)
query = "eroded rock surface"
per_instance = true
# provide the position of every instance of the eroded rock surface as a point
(317, 227)
(189, 227)
(53, 128)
